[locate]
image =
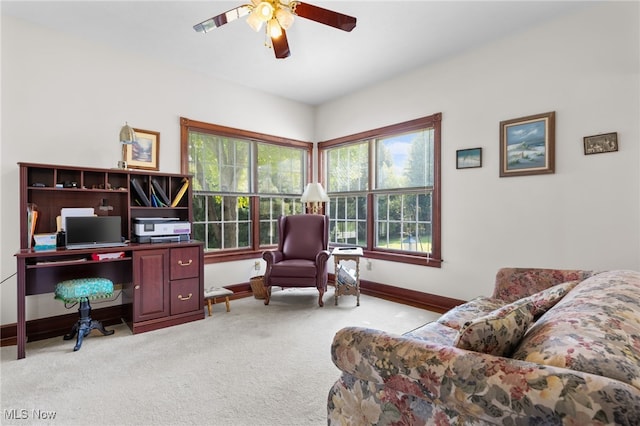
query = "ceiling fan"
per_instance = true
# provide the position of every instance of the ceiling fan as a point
(278, 16)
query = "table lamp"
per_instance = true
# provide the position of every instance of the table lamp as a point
(313, 195)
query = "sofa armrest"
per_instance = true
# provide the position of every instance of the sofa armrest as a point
(481, 386)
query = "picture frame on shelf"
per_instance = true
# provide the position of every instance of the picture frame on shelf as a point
(469, 158)
(144, 152)
(527, 145)
(599, 144)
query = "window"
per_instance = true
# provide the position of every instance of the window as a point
(384, 190)
(242, 183)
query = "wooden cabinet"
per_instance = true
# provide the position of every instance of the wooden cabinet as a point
(167, 286)
(186, 292)
(162, 283)
(150, 284)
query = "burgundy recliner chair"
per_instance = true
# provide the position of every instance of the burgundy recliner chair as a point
(301, 257)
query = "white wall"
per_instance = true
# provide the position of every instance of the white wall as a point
(64, 101)
(586, 215)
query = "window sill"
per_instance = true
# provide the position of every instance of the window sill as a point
(231, 256)
(413, 259)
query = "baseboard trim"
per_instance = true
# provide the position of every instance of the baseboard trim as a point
(418, 299)
(45, 328)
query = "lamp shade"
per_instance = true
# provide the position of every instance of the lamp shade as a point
(314, 193)
(127, 134)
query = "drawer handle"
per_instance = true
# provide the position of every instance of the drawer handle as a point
(185, 264)
(185, 298)
(137, 287)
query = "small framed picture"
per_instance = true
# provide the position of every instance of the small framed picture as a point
(144, 152)
(598, 144)
(468, 158)
(527, 145)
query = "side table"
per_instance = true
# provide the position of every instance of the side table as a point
(341, 254)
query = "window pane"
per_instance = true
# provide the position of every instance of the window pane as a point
(219, 163)
(199, 208)
(226, 220)
(403, 222)
(280, 169)
(405, 161)
(394, 207)
(214, 208)
(349, 167)
(271, 208)
(348, 220)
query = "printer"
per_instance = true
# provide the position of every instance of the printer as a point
(160, 230)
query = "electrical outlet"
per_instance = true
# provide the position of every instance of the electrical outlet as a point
(368, 265)
(256, 265)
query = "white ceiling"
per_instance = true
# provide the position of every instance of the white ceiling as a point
(391, 38)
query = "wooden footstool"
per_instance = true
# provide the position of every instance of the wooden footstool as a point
(212, 293)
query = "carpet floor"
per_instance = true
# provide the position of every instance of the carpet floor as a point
(255, 365)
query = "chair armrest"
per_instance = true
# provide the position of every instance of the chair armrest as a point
(322, 257)
(272, 256)
(478, 385)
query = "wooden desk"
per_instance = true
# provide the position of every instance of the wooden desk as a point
(162, 283)
(341, 254)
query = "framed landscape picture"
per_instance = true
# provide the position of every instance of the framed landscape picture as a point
(144, 152)
(527, 145)
(468, 158)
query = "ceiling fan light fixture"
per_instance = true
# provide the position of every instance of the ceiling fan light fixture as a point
(265, 11)
(273, 28)
(284, 17)
(254, 21)
(278, 15)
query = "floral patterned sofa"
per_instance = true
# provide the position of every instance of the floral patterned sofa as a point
(550, 347)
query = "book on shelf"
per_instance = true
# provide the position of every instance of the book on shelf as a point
(180, 194)
(32, 219)
(142, 197)
(160, 192)
(155, 200)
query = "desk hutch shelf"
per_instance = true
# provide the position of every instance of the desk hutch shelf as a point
(162, 283)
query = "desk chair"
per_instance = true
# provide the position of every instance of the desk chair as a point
(81, 291)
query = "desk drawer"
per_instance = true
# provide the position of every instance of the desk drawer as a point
(185, 262)
(185, 296)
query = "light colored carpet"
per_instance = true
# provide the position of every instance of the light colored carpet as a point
(256, 365)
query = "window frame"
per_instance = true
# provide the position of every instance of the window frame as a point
(255, 250)
(434, 258)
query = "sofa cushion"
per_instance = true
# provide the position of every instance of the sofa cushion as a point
(515, 283)
(498, 332)
(457, 317)
(594, 329)
(542, 301)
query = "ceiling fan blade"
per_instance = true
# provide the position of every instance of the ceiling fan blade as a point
(223, 18)
(325, 16)
(281, 46)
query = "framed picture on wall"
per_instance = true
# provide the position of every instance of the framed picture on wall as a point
(527, 145)
(144, 152)
(598, 144)
(468, 158)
